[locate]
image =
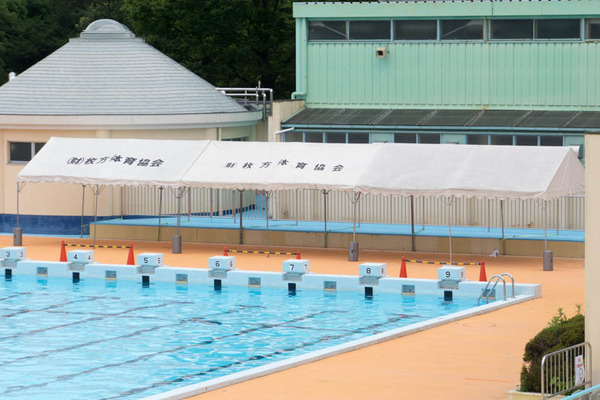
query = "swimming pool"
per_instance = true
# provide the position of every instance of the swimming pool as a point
(103, 339)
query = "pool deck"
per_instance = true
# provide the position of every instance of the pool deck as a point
(347, 227)
(476, 358)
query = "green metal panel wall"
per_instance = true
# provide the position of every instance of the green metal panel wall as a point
(452, 75)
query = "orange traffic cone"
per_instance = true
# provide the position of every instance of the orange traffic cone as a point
(63, 251)
(403, 268)
(225, 251)
(298, 256)
(482, 275)
(130, 257)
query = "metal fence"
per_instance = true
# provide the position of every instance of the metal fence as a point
(308, 205)
(566, 370)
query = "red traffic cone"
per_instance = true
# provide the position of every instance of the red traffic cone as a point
(298, 256)
(482, 274)
(130, 257)
(63, 251)
(225, 251)
(403, 268)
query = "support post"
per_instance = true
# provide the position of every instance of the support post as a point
(267, 198)
(241, 217)
(325, 193)
(449, 203)
(189, 198)
(82, 210)
(353, 246)
(412, 223)
(502, 223)
(97, 189)
(160, 199)
(176, 241)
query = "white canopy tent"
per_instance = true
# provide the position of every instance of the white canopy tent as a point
(112, 162)
(398, 169)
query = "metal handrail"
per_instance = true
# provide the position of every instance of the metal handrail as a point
(261, 96)
(495, 279)
(513, 283)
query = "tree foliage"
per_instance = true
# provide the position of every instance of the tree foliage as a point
(227, 42)
(32, 29)
(561, 332)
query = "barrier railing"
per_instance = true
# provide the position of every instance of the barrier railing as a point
(226, 252)
(442, 262)
(566, 370)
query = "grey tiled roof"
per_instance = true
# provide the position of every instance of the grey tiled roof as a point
(108, 71)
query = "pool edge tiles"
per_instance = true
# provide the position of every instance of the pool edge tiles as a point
(277, 366)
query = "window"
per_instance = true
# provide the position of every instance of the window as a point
(313, 137)
(358, 138)
(405, 138)
(501, 140)
(335, 137)
(429, 138)
(477, 139)
(592, 30)
(511, 29)
(294, 136)
(370, 30)
(558, 29)
(415, 30)
(551, 141)
(23, 151)
(462, 29)
(327, 30)
(527, 140)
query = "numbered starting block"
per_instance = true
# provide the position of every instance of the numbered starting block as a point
(449, 276)
(78, 259)
(149, 261)
(12, 255)
(220, 265)
(294, 269)
(370, 273)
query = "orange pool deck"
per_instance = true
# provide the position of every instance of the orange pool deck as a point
(475, 358)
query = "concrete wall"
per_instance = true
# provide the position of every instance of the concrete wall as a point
(592, 251)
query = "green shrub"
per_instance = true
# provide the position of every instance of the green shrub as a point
(561, 332)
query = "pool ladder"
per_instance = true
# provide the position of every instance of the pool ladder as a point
(494, 280)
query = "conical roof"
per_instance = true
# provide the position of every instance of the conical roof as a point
(108, 71)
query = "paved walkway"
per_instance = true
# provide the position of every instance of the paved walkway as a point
(475, 358)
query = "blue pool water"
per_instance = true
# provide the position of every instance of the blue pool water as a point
(119, 340)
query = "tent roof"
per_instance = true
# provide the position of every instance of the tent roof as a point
(398, 169)
(113, 162)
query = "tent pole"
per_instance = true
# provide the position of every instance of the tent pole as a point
(488, 215)
(241, 216)
(423, 214)
(449, 211)
(267, 198)
(502, 222)
(557, 214)
(296, 207)
(233, 205)
(545, 204)
(211, 203)
(160, 199)
(325, 193)
(97, 191)
(176, 241)
(189, 204)
(82, 210)
(412, 222)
